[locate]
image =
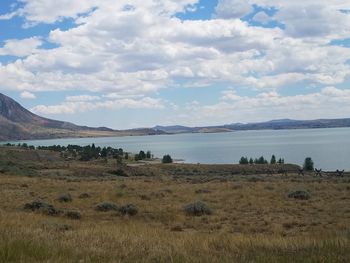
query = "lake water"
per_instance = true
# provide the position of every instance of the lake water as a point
(329, 148)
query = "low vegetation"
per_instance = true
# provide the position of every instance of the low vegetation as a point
(168, 213)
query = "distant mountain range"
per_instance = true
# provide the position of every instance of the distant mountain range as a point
(269, 125)
(17, 123)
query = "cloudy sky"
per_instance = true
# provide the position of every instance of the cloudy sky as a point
(139, 63)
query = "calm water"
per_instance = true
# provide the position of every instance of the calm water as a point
(329, 148)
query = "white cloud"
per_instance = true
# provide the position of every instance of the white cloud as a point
(8, 16)
(27, 95)
(267, 106)
(88, 103)
(130, 50)
(232, 8)
(20, 47)
(262, 17)
(82, 98)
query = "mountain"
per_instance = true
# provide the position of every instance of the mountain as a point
(17, 123)
(268, 125)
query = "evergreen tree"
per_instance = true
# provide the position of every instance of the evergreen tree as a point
(273, 159)
(308, 164)
(167, 159)
(243, 160)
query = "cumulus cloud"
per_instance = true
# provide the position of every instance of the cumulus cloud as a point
(27, 95)
(130, 50)
(262, 17)
(139, 47)
(20, 47)
(87, 103)
(267, 106)
(232, 8)
(82, 98)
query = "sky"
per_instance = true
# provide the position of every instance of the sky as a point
(140, 63)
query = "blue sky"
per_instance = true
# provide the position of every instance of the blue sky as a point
(126, 64)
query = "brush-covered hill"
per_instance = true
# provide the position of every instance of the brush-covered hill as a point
(18, 123)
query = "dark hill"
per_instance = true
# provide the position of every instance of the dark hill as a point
(17, 123)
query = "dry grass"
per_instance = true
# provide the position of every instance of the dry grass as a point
(253, 219)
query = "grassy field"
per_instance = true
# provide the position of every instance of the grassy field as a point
(253, 218)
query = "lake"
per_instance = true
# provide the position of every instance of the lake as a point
(329, 148)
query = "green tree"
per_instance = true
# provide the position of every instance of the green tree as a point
(148, 155)
(167, 159)
(308, 164)
(142, 155)
(251, 161)
(243, 160)
(273, 159)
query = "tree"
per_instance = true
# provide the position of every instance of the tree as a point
(243, 160)
(167, 159)
(148, 155)
(308, 164)
(142, 155)
(273, 159)
(251, 161)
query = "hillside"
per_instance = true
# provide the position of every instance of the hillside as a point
(17, 123)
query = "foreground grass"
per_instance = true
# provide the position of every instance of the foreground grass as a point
(253, 219)
(138, 243)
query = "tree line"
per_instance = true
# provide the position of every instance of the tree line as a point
(261, 160)
(91, 152)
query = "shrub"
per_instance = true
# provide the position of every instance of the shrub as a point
(301, 195)
(106, 206)
(167, 159)
(128, 209)
(65, 197)
(41, 206)
(73, 214)
(197, 209)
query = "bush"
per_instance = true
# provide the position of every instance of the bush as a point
(308, 164)
(106, 206)
(301, 195)
(197, 209)
(129, 209)
(41, 206)
(73, 214)
(167, 159)
(65, 197)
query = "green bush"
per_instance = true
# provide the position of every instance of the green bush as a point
(129, 209)
(106, 206)
(65, 197)
(197, 209)
(42, 207)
